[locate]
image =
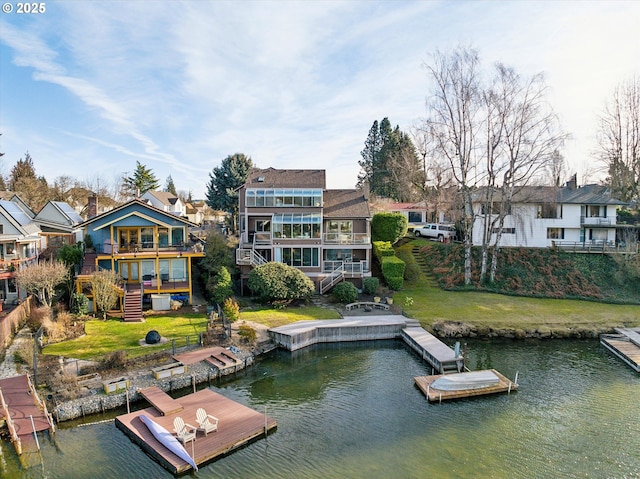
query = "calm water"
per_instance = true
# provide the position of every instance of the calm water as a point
(352, 411)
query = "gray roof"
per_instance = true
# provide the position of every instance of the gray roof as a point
(345, 204)
(583, 195)
(272, 178)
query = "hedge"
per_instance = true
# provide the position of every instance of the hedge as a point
(388, 226)
(382, 249)
(393, 271)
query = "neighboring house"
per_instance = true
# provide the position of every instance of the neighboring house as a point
(289, 216)
(165, 201)
(58, 223)
(19, 245)
(149, 248)
(543, 216)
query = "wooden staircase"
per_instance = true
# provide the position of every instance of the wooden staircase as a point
(133, 306)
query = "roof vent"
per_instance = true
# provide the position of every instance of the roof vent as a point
(260, 179)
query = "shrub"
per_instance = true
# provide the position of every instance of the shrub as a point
(220, 286)
(277, 281)
(382, 249)
(114, 360)
(79, 304)
(247, 333)
(345, 292)
(231, 309)
(388, 227)
(393, 272)
(370, 285)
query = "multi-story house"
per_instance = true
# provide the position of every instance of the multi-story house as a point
(58, 223)
(581, 218)
(20, 243)
(149, 248)
(165, 201)
(289, 216)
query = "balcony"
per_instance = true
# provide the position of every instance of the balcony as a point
(350, 268)
(595, 221)
(346, 238)
(148, 247)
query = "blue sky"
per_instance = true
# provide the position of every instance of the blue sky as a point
(91, 87)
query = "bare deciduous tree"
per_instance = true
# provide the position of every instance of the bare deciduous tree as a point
(104, 285)
(41, 279)
(453, 108)
(619, 139)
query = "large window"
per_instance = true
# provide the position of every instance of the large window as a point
(549, 210)
(284, 197)
(555, 233)
(415, 217)
(301, 257)
(297, 225)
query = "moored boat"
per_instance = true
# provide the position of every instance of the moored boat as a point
(468, 380)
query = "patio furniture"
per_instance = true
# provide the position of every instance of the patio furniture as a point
(206, 422)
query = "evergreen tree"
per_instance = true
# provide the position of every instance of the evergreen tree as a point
(170, 186)
(224, 180)
(22, 169)
(390, 164)
(142, 180)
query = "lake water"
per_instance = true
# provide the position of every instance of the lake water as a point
(352, 411)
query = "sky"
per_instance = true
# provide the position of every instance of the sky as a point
(89, 88)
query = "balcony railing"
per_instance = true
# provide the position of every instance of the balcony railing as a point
(349, 267)
(346, 238)
(147, 247)
(595, 221)
(595, 246)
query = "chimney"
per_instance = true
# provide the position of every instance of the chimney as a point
(92, 206)
(572, 184)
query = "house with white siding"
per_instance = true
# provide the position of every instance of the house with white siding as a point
(546, 216)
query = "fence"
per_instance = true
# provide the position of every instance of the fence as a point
(10, 323)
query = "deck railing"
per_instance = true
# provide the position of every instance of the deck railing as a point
(594, 247)
(346, 238)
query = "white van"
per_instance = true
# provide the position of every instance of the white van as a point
(436, 231)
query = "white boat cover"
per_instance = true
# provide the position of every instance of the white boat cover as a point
(168, 440)
(462, 381)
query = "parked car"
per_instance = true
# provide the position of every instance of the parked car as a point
(440, 232)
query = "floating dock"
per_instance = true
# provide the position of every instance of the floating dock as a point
(625, 345)
(238, 425)
(504, 385)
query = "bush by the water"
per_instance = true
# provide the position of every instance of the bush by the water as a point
(277, 281)
(393, 272)
(370, 285)
(345, 292)
(538, 272)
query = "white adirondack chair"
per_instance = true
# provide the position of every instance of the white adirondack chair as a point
(185, 432)
(206, 422)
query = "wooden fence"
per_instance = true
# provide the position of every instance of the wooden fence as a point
(11, 322)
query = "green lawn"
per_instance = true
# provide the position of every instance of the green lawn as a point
(279, 317)
(431, 304)
(103, 337)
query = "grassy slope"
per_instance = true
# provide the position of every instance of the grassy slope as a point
(432, 304)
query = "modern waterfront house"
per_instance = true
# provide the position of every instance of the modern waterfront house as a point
(291, 217)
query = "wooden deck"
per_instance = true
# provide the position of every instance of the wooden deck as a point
(217, 356)
(160, 400)
(20, 404)
(625, 345)
(238, 426)
(436, 395)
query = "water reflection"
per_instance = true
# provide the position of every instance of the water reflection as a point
(352, 410)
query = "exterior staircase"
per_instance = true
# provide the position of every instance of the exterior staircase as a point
(334, 278)
(133, 306)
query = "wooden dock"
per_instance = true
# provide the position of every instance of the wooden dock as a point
(216, 356)
(238, 425)
(24, 412)
(441, 357)
(159, 399)
(625, 345)
(505, 385)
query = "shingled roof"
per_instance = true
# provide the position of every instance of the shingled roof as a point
(272, 178)
(584, 195)
(345, 204)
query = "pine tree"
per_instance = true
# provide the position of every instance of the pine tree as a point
(170, 186)
(142, 180)
(224, 181)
